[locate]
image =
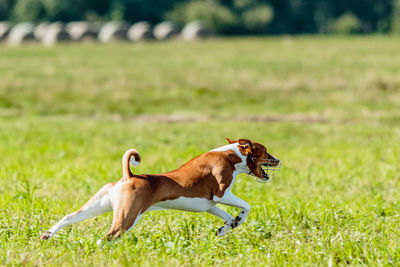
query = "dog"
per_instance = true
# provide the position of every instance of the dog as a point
(197, 186)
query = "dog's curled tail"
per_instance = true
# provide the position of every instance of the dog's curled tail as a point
(133, 157)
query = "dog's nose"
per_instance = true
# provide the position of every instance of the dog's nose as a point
(275, 162)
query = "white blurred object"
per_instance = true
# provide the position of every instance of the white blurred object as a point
(82, 30)
(140, 31)
(113, 31)
(165, 30)
(55, 33)
(40, 30)
(22, 32)
(195, 30)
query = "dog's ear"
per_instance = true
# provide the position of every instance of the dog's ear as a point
(245, 146)
(230, 141)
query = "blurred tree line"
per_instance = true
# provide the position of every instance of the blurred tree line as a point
(222, 16)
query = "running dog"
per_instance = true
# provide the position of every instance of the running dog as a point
(197, 186)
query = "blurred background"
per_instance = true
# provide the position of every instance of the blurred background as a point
(230, 17)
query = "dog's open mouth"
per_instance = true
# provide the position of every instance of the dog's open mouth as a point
(264, 174)
(269, 171)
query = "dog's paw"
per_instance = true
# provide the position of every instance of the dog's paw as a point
(221, 231)
(224, 229)
(236, 222)
(46, 235)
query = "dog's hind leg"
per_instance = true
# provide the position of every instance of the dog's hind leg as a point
(97, 205)
(228, 219)
(127, 211)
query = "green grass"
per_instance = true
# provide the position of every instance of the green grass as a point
(327, 107)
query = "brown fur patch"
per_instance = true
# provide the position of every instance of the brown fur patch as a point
(205, 176)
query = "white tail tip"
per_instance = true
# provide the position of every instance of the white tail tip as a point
(133, 162)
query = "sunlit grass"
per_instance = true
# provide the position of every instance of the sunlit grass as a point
(336, 196)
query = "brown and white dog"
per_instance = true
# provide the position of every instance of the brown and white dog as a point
(197, 186)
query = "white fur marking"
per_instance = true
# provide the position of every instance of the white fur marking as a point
(240, 167)
(97, 207)
(229, 198)
(220, 214)
(114, 194)
(133, 162)
(228, 219)
(185, 203)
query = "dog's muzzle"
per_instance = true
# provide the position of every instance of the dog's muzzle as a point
(269, 170)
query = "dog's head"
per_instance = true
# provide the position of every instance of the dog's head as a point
(260, 163)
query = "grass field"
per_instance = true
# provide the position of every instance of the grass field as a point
(328, 107)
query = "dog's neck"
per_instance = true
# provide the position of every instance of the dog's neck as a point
(240, 167)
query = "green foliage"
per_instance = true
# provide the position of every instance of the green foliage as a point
(139, 10)
(117, 11)
(5, 7)
(257, 17)
(396, 17)
(346, 24)
(243, 16)
(210, 12)
(60, 10)
(45, 10)
(29, 10)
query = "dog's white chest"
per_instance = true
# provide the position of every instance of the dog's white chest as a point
(186, 204)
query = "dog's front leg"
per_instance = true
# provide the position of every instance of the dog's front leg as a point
(228, 219)
(230, 199)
